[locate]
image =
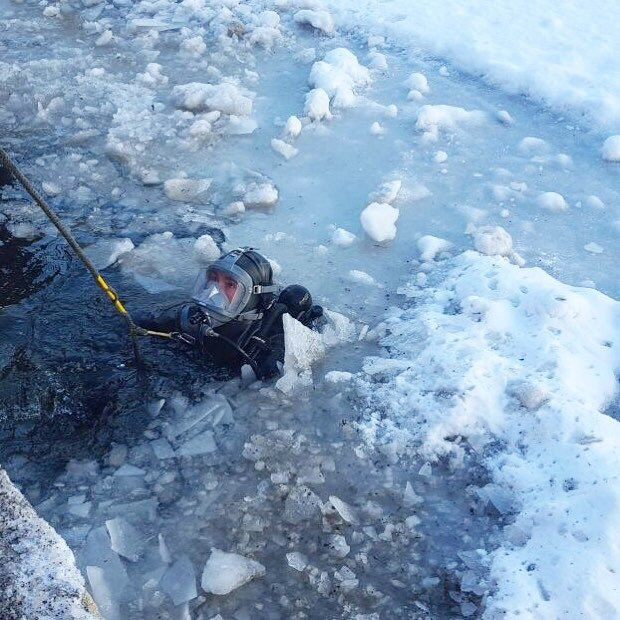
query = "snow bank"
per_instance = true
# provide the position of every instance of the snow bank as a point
(38, 576)
(339, 74)
(565, 55)
(497, 355)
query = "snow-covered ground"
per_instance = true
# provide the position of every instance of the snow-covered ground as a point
(459, 448)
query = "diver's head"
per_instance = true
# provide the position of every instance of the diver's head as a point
(234, 286)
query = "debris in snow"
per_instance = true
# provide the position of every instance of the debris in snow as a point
(187, 190)
(387, 193)
(225, 572)
(429, 247)
(339, 74)
(593, 248)
(293, 127)
(316, 107)
(320, 20)
(418, 82)
(378, 221)
(107, 251)
(179, 581)
(552, 201)
(343, 238)
(260, 195)
(284, 148)
(493, 240)
(611, 149)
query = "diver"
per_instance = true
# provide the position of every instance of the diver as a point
(235, 314)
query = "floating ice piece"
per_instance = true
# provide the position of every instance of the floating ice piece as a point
(162, 448)
(297, 560)
(410, 497)
(141, 510)
(611, 149)
(103, 593)
(503, 499)
(338, 376)
(203, 443)
(302, 504)
(429, 247)
(418, 191)
(226, 97)
(107, 251)
(387, 193)
(339, 74)
(51, 189)
(343, 238)
(193, 46)
(377, 61)
(361, 277)
(179, 581)
(153, 285)
(187, 190)
(534, 146)
(320, 20)
(97, 552)
(552, 201)
(440, 157)
(316, 107)
(376, 129)
(493, 241)
(265, 36)
(260, 195)
(129, 470)
(225, 572)
(293, 127)
(426, 471)
(378, 221)
(284, 148)
(594, 202)
(206, 248)
(152, 75)
(419, 82)
(503, 116)
(200, 129)
(302, 348)
(343, 509)
(338, 328)
(241, 125)
(338, 545)
(593, 248)
(125, 539)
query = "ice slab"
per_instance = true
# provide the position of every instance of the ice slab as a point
(297, 560)
(125, 539)
(141, 510)
(225, 572)
(179, 581)
(203, 443)
(98, 552)
(103, 593)
(162, 448)
(343, 509)
(301, 504)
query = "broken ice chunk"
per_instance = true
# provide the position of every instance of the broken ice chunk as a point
(225, 572)
(107, 251)
(179, 581)
(129, 470)
(162, 448)
(187, 190)
(125, 539)
(301, 504)
(203, 443)
(297, 560)
(103, 593)
(339, 545)
(343, 509)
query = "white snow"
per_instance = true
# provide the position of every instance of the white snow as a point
(293, 127)
(340, 75)
(611, 149)
(321, 20)
(493, 241)
(225, 572)
(552, 201)
(316, 107)
(379, 221)
(418, 81)
(559, 451)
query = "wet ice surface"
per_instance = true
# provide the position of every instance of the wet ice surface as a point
(340, 529)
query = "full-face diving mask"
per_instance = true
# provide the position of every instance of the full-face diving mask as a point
(225, 289)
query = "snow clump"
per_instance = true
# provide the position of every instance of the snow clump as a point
(260, 195)
(284, 148)
(316, 107)
(293, 127)
(361, 277)
(343, 238)
(435, 118)
(206, 248)
(429, 247)
(388, 192)
(225, 572)
(226, 97)
(379, 221)
(320, 20)
(611, 149)
(339, 74)
(187, 190)
(552, 201)
(152, 76)
(418, 81)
